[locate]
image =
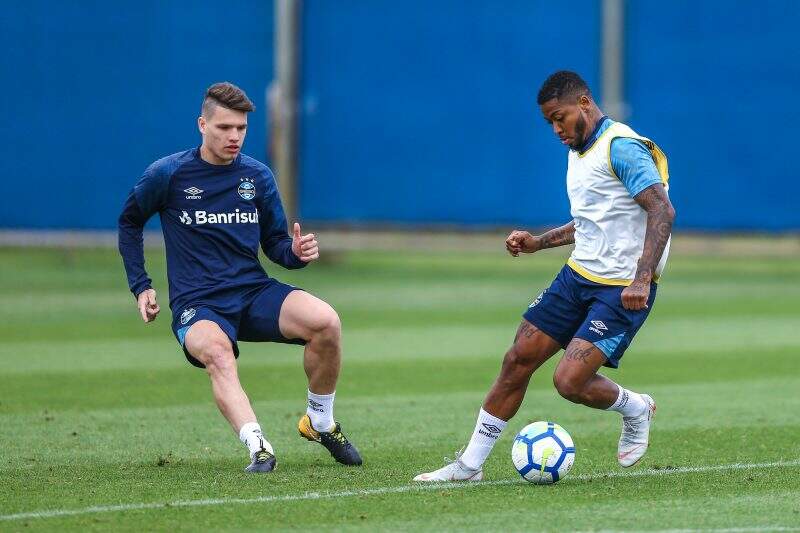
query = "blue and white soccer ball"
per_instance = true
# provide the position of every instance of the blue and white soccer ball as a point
(543, 452)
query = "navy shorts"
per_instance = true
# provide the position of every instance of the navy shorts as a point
(573, 307)
(250, 316)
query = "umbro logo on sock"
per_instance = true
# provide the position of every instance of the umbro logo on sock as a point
(315, 406)
(490, 430)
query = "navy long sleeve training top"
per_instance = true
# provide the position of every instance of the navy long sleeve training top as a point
(213, 217)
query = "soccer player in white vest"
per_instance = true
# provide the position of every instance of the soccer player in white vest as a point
(621, 225)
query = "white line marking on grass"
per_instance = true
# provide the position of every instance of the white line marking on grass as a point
(417, 487)
(754, 529)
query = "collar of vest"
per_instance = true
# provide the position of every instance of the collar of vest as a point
(593, 137)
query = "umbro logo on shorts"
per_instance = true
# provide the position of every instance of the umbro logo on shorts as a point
(597, 326)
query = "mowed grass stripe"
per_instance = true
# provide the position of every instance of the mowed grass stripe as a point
(722, 339)
(386, 490)
(160, 387)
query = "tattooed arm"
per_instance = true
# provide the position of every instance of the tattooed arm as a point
(522, 241)
(660, 215)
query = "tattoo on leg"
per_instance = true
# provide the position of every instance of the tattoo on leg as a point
(525, 330)
(579, 354)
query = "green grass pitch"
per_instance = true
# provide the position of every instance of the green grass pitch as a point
(102, 421)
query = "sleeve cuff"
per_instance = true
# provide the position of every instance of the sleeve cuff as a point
(294, 262)
(136, 291)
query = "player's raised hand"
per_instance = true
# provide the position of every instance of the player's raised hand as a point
(635, 296)
(148, 306)
(521, 242)
(305, 247)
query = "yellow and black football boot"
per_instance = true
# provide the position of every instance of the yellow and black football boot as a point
(334, 441)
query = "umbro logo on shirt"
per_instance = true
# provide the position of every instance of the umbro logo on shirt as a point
(193, 193)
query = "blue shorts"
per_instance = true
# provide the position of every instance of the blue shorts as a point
(573, 307)
(250, 316)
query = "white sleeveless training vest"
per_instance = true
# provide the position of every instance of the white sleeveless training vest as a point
(609, 225)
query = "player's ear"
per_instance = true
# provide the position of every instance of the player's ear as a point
(585, 102)
(201, 124)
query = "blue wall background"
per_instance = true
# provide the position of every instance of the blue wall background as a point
(97, 90)
(714, 83)
(412, 112)
(432, 118)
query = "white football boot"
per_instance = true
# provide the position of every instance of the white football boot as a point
(635, 434)
(453, 471)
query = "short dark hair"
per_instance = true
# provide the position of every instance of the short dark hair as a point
(563, 83)
(227, 95)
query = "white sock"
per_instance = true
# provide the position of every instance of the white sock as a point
(628, 403)
(251, 436)
(487, 430)
(320, 410)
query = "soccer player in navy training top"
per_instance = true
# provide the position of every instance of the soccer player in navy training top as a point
(216, 207)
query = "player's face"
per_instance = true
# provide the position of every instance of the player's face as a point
(569, 120)
(223, 133)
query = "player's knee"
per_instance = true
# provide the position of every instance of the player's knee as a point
(568, 387)
(218, 357)
(518, 362)
(328, 328)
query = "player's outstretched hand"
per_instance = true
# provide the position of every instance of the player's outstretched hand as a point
(305, 247)
(634, 296)
(148, 306)
(521, 241)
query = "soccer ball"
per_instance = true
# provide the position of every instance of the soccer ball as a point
(543, 452)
